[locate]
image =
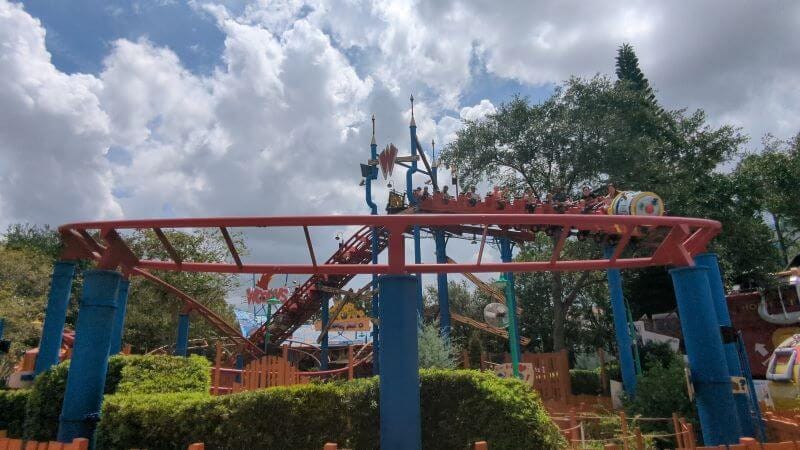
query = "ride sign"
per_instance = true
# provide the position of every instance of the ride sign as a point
(260, 296)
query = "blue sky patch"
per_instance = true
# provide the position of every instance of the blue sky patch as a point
(80, 32)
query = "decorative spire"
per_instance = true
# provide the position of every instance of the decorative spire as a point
(433, 149)
(413, 122)
(373, 130)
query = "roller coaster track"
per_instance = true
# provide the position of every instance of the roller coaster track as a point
(674, 242)
(306, 300)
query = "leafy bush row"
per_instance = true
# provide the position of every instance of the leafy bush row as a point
(12, 411)
(585, 382)
(458, 408)
(126, 374)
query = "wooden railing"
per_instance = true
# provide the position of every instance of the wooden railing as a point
(19, 444)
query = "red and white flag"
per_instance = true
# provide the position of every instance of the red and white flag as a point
(386, 160)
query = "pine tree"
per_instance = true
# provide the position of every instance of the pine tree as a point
(628, 71)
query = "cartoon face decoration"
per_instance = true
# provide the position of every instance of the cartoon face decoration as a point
(648, 204)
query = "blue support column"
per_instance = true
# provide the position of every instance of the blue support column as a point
(441, 279)
(323, 354)
(119, 319)
(182, 342)
(709, 369)
(506, 255)
(239, 366)
(55, 316)
(373, 209)
(710, 261)
(621, 329)
(399, 380)
(413, 201)
(87, 371)
(2, 327)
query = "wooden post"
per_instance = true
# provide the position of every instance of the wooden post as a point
(750, 443)
(677, 428)
(330, 446)
(465, 359)
(639, 439)
(563, 376)
(623, 423)
(690, 440)
(601, 355)
(217, 367)
(349, 362)
(197, 446)
(610, 447)
(573, 429)
(481, 445)
(126, 349)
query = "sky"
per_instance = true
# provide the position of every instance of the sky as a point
(175, 108)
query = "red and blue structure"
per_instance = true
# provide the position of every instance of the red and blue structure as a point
(674, 242)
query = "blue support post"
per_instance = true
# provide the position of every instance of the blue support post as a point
(506, 255)
(399, 381)
(239, 366)
(87, 371)
(323, 354)
(2, 327)
(709, 369)
(413, 201)
(441, 279)
(182, 342)
(119, 319)
(373, 209)
(55, 316)
(621, 329)
(710, 261)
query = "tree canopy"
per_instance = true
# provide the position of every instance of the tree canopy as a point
(27, 253)
(593, 131)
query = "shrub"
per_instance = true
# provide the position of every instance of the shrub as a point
(12, 411)
(660, 391)
(458, 407)
(435, 352)
(129, 374)
(44, 403)
(163, 374)
(585, 382)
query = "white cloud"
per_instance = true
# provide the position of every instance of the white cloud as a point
(281, 125)
(53, 132)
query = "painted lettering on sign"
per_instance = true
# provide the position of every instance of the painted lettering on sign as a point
(257, 295)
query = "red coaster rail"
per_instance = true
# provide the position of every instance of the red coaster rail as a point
(674, 241)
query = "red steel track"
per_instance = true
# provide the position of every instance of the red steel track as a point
(675, 241)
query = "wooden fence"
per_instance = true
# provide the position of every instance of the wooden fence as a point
(19, 444)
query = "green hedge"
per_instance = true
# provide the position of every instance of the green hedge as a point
(12, 411)
(458, 408)
(128, 374)
(585, 382)
(164, 374)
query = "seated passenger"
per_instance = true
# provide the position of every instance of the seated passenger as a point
(611, 194)
(417, 193)
(531, 200)
(426, 194)
(560, 200)
(474, 198)
(589, 198)
(446, 194)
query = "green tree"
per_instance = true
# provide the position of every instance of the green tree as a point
(24, 279)
(28, 252)
(770, 179)
(152, 314)
(628, 71)
(435, 352)
(590, 131)
(468, 302)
